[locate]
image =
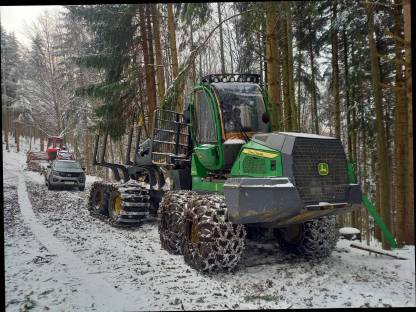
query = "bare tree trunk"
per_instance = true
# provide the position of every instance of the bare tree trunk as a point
(158, 50)
(347, 96)
(314, 112)
(172, 41)
(383, 184)
(410, 226)
(221, 39)
(7, 128)
(191, 30)
(86, 153)
(400, 136)
(40, 134)
(174, 52)
(151, 60)
(377, 231)
(291, 84)
(30, 138)
(335, 73)
(272, 60)
(158, 53)
(151, 98)
(287, 119)
(17, 136)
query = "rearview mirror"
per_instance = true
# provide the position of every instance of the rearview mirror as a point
(83, 168)
(265, 117)
(48, 166)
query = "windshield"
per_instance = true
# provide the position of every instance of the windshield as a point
(241, 106)
(60, 165)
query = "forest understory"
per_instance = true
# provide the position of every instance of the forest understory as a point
(87, 73)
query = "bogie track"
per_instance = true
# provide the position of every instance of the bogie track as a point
(119, 204)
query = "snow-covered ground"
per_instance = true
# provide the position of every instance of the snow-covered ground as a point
(59, 258)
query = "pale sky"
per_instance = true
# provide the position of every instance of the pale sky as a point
(17, 18)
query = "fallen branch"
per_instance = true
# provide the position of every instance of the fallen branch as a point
(376, 250)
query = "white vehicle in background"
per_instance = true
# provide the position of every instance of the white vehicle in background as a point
(65, 174)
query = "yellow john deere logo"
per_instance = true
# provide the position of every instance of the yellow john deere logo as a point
(323, 169)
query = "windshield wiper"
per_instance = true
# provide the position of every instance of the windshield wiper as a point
(240, 127)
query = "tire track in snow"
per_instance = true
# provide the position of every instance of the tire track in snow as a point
(102, 294)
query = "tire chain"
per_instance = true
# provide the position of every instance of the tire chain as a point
(320, 237)
(220, 243)
(172, 210)
(130, 192)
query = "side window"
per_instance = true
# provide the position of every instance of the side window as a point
(203, 121)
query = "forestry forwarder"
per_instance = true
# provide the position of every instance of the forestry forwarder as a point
(228, 174)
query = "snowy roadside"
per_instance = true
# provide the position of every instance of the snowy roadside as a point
(133, 264)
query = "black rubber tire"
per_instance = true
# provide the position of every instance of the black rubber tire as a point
(171, 212)
(50, 187)
(97, 200)
(317, 239)
(219, 243)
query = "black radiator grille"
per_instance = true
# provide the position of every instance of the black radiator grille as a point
(254, 165)
(68, 174)
(313, 187)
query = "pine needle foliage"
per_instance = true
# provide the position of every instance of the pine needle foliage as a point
(110, 52)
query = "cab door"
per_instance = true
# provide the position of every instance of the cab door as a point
(206, 131)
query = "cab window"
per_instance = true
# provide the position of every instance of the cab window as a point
(203, 120)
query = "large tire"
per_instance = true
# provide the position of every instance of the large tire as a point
(114, 205)
(171, 212)
(50, 186)
(316, 238)
(128, 204)
(98, 199)
(210, 243)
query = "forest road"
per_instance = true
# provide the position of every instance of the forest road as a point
(59, 258)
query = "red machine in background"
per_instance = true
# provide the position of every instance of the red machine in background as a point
(55, 143)
(56, 149)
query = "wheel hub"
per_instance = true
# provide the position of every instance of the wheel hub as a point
(117, 205)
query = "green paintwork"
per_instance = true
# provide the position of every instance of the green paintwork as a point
(352, 178)
(198, 173)
(214, 110)
(197, 169)
(377, 218)
(323, 169)
(210, 157)
(202, 185)
(239, 169)
(207, 154)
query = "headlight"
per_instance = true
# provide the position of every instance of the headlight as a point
(56, 173)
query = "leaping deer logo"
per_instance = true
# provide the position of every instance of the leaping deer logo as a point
(323, 169)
